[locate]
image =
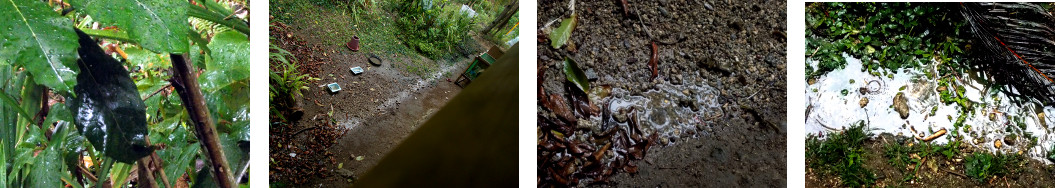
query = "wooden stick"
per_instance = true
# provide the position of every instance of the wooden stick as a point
(186, 85)
(933, 136)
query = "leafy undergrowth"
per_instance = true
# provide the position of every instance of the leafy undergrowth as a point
(882, 35)
(335, 23)
(853, 158)
(92, 97)
(292, 158)
(386, 26)
(841, 155)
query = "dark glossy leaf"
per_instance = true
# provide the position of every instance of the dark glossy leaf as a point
(107, 109)
(157, 25)
(40, 40)
(230, 61)
(576, 75)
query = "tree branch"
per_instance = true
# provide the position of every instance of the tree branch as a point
(186, 85)
(147, 178)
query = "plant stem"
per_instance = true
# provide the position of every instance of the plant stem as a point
(185, 82)
(145, 173)
(102, 174)
(236, 24)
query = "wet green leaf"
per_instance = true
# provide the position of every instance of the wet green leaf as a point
(230, 110)
(120, 172)
(575, 75)
(107, 108)
(157, 25)
(40, 40)
(178, 154)
(49, 166)
(230, 61)
(146, 59)
(560, 36)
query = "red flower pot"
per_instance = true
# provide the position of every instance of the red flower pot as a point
(354, 44)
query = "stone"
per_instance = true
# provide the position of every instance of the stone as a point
(620, 116)
(591, 75)
(1040, 117)
(901, 105)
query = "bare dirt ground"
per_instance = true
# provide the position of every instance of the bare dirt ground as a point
(375, 110)
(731, 53)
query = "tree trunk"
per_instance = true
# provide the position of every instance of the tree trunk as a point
(503, 18)
(185, 82)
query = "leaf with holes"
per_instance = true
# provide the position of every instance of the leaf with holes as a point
(40, 40)
(157, 25)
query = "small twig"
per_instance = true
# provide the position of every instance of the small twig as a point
(814, 52)
(158, 91)
(157, 164)
(87, 173)
(145, 175)
(954, 173)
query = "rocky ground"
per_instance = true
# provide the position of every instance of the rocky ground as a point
(715, 114)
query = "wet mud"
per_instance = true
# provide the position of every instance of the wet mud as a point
(710, 111)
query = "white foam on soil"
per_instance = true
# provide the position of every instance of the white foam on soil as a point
(992, 116)
(658, 110)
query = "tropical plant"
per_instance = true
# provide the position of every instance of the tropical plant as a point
(88, 93)
(433, 28)
(286, 81)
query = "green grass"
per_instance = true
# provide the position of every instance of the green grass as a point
(334, 23)
(982, 166)
(842, 154)
(900, 156)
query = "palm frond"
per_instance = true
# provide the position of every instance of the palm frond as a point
(1016, 46)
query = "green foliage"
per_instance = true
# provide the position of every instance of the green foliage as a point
(433, 28)
(841, 154)
(158, 25)
(131, 100)
(42, 41)
(560, 35)
(575, 75)
(899, 155)
(882, 35)
(286, 82)
(230, 61)
(107, 107)
(982, 166)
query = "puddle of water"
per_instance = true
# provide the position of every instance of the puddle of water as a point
(665, 110)
(994, 116)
